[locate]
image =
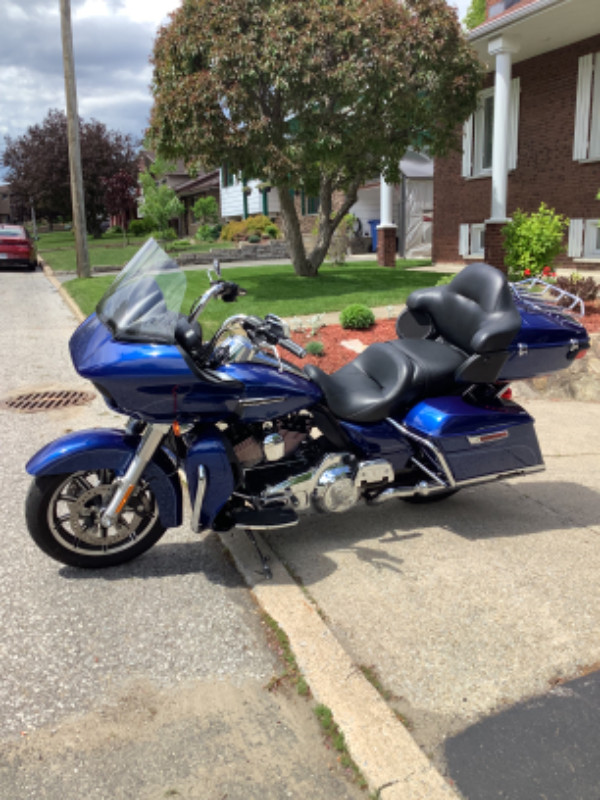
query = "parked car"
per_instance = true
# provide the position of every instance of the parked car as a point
(17, 248)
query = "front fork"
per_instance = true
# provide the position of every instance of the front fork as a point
(149, 443)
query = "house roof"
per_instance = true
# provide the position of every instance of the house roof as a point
(208, 180)
(538, 26)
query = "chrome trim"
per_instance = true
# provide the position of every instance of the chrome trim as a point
(426, 443)
(487, 438)
(259, 401)
(424, 489)
(199, 499)
(151, 439)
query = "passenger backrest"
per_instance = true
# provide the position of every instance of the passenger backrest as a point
(475, 312)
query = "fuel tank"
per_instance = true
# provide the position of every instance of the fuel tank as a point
(156, 383)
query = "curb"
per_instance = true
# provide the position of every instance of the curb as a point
(387, 755)
(49, 273)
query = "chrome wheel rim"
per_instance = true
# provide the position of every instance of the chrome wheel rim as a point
(76, 507)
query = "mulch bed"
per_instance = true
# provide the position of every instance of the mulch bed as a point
(335, 355)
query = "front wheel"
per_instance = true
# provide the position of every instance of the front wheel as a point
(63, 516)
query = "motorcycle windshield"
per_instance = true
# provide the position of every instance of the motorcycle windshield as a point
(144, 301)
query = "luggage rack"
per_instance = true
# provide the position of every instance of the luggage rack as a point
(544, 295)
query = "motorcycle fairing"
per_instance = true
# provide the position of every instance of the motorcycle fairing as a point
(110, 448)
(154, 382)
(212, 452)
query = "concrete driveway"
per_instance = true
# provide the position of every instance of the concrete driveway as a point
(145, 681)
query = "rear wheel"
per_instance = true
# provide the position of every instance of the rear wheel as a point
(63, 516)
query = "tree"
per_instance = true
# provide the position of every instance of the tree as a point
(319, 95)
(120, 191)
(38, 166)
(206, 210)
(475, 14)
(160, 203)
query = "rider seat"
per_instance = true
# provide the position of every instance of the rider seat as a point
(466, 327)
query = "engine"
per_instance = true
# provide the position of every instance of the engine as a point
(270, 441)
(287, 463)
(336, 484)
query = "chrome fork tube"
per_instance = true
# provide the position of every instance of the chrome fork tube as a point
(151, 439)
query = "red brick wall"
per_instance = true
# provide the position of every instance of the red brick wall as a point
(545, 167)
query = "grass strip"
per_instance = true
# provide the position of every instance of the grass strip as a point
(278, 290)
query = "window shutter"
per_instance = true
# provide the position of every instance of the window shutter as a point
(594, 148)
(575, 249)
(463, 240)
(583, 107)
(467, 158)
(513, 122)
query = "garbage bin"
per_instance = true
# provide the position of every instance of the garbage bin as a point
(373, 223)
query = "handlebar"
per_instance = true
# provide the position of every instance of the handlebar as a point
(268, 332)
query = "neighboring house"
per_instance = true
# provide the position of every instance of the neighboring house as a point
(187, 188)
(535, 135)
(412, 205)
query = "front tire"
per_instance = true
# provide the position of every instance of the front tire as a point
(63, 516)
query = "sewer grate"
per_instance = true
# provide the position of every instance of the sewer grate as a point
(46, 401)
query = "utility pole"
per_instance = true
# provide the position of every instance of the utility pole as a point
(77, 198)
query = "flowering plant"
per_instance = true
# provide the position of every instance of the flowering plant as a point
(533, 241)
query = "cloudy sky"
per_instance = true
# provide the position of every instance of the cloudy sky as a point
(112, 42)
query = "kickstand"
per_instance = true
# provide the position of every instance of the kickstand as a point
(264, 560)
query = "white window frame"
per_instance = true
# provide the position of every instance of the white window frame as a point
(474, 129)
(471, 240)
(586, 138)
(584, 239)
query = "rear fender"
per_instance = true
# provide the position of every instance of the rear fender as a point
(110, 448)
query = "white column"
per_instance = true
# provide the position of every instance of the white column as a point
(386, 200)
(503, 50)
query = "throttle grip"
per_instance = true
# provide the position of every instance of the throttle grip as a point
(293, 348)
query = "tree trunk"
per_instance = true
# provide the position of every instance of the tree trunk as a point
(293, 234)
(308, 266)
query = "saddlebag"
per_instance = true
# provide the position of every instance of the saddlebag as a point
(476, 442)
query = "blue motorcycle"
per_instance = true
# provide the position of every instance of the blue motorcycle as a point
(257, 442)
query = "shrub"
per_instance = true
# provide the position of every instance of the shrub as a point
(315, 348)
(168, 235)
(585, 288)
(138, 227)
(272, 231)
(357, 317)
(533, 241)
(236, 230)
(254, 238)
(208, 233)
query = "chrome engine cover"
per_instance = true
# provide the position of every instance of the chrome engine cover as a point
(335, 485)
(336, 490)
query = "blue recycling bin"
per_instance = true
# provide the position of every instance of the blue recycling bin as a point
(373, 223)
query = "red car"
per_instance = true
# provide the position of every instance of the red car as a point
(17, 248)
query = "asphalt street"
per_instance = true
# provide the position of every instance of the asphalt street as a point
(144, 681)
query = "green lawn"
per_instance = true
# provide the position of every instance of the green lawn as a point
(58, 250)
(278, 290)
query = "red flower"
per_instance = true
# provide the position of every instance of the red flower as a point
(526, 272)
(547, 271)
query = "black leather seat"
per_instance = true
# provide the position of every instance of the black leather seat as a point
(473, 320)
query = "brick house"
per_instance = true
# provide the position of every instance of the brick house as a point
(534, 137)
